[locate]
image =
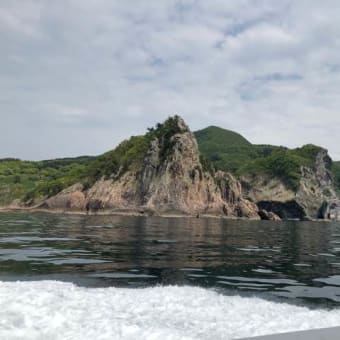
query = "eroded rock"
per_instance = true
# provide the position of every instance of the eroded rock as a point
(268, 215)
(170, 180)
(314, 190)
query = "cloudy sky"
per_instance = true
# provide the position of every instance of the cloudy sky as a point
(78, 76)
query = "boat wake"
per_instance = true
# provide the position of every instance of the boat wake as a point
(59, 310)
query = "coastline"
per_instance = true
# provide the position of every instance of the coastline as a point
(119, 213)
(137, 213)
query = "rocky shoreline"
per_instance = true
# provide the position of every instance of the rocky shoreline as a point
(170, 178)
(122, 213)
(261, 217)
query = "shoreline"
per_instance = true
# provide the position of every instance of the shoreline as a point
(120, 213)
(139, 214)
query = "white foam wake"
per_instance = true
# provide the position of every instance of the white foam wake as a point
(55, 310)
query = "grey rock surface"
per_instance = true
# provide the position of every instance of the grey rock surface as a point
(171, 181)
(311, 200)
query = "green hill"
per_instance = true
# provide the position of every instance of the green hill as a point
(216, 136)
(229, 151)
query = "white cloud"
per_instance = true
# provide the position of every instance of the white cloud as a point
(103, 70)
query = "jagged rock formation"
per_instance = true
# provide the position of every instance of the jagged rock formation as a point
(330, 210)
(162, 172)
(313, 198)
(268, 215)
(231, 193)
(170, 179)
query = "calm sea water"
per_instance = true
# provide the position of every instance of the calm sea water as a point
(295, 261)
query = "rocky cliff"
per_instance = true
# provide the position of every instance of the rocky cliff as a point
(164, 172)
(314, 197)
(170, 178)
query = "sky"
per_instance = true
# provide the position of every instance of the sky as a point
(79, 76)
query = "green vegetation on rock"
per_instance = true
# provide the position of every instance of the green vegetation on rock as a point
(32, 181)
(229, 151)
(129, 154)
(112, 164)
(20, 178)
(284, 164)
(220, 149)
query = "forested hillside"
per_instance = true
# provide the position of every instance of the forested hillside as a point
(229, 151)
(19, 178)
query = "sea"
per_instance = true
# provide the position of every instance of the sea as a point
(128, 277)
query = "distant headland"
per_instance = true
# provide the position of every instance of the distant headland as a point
(172, 171)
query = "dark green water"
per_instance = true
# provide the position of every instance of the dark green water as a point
(299, 261)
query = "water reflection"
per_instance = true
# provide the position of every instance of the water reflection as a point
(290, 259)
